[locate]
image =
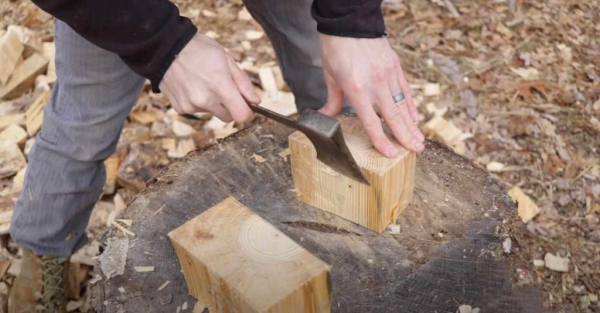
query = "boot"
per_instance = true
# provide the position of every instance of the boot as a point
(40, 287)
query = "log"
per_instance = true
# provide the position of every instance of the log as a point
(23, 77)
(11, 49)
(374, 206)
(445, 255)
(228, 251)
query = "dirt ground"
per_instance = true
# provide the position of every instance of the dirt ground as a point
(520, 80)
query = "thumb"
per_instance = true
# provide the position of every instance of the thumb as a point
(243, 82)
(335, 97)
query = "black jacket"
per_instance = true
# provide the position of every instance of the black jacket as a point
(148, 34)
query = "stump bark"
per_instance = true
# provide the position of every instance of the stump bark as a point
(448, 251)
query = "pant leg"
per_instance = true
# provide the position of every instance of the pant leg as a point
(295, 39)
(91, 99)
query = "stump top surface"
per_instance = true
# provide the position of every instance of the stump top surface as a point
(447, 253)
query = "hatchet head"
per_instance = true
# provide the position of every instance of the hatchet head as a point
(326, 135)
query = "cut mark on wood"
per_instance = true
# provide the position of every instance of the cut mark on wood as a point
(320, 227)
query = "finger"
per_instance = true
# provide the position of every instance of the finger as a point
(221, 112)
(410, 103)
(372, 124)
(335, 97)
(395, 89)
(232, 99)
(243, 82)
(397, 122)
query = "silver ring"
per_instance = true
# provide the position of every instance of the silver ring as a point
(399, 97)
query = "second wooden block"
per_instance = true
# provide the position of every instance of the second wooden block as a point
(234, 261)
(375, 206)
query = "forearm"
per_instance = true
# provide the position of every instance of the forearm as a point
(146, 34)
(349, 18)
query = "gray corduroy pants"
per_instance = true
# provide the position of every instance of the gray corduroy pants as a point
(90, 101)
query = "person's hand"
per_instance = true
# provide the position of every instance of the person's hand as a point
(368, 73)
(205, 78)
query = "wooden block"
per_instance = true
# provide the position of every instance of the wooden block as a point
(34, 116)
(23, 77)
(526, 207)
(11, 49)
(11, 159)
(375, 206)
(234, 261)
(19, 180)
(112, 170)
(49, 51)
(15, 134)
(7, 120)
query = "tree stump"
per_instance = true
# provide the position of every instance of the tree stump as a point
(448, 252)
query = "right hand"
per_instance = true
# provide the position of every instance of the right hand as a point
(205, 78)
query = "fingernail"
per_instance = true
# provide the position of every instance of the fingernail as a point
(418, 145)
(391, 151)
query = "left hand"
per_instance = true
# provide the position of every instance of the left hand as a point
(368, 73)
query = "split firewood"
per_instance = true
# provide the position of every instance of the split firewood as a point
(146, 117)
(11, 49)
(181, 129)
(19, 180)
(182, 148)
(28, 145)
(5, 218)
(7, 120)
(112, 169)
(23, 77)
(15, 134)
(35, 114)
(11, 159)
(49, 51)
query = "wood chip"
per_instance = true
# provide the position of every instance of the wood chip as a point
(526, 207)
(181, 129)
(28, 145)
(12, 159)
(431, 89)
(123, 229)
(144, 269)
(15, 134)
(163, 286)
(112, 170)
(254, 34)
(183, 148)
(199, 307)
(495, 166)
(284, 153)
(244, 15)
(258, 158)
(556, 263)
(394, 229)
(146, 117)
(125, 222)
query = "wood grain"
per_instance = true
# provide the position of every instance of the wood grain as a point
(375, 206)
(234, 261)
